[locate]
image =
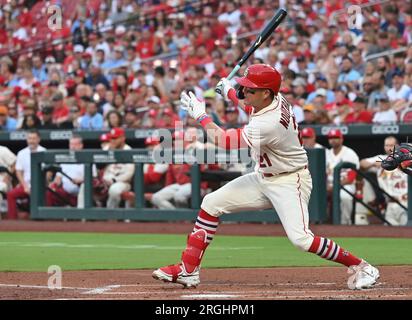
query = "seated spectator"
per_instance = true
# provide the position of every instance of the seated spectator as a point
(231, 118)
(319, 102)
(7, 123)
(47, 118)
(167, 119)
(398, 94)
(309, 115)
(131, 118)
(92, 120)
(39, 69)
(31, 122)
(359, 113)
(348, 76)
(114, 119)
(23, 173)
(386, 114)
(60, 111)
(321, 82)
(96, 77)
(66, 185)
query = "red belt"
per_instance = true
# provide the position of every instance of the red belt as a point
(268, 175)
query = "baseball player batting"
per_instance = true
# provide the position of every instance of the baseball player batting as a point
(281, 179)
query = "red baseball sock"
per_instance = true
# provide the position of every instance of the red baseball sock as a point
(328, 249)
(197, 242)
(208, 223)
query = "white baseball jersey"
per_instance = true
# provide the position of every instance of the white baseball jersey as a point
(346, 154)
(23, 162)
(273, 136)
(394, 183)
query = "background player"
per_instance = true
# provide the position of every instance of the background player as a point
(281, 179)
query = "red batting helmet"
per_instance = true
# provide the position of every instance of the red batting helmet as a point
(261, 76)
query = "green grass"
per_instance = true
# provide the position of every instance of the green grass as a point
(34, 251)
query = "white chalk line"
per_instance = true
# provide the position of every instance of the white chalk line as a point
(257, 292)
(101, 290)
(109, 246)
(27, 286)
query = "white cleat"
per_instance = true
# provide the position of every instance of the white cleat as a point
(364, 276)
(177, 274)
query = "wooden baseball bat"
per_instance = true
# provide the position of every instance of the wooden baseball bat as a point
(263, 35)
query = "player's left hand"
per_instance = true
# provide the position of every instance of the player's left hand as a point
(192, 105)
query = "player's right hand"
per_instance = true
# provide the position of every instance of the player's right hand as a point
(192, 105)
(223, 87)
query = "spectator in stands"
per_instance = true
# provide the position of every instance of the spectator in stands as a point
(348, 76)
(31, 122)
(116, 62)
(308, 135)
(66, 185)
(229, 17)
(321, 82)
(359, 113)
(386, 114)
(29, 108)
(231, 118)
(91, 120)
(6, 123)
(309, 114)
(118, 176)
(60, 111)
(399, 92)
(39, 69)
(96, 77)
(80, 31)
(336, 154)
(319, 102)
(383, 44)
(378, 88)
(358, 63)
(391, 18)
(47, 118)
(131, 118)
(114, 119)
(7, 162)
(23, 173)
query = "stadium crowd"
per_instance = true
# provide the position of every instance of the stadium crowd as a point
(122, 64)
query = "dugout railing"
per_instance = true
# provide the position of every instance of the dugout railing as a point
(38, 210)
(336, 211)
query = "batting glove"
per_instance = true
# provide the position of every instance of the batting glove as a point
(224, 86)
(195, 108)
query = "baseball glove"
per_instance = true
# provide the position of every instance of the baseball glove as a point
(401, 158)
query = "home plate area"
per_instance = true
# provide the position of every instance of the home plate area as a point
(217, 284)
